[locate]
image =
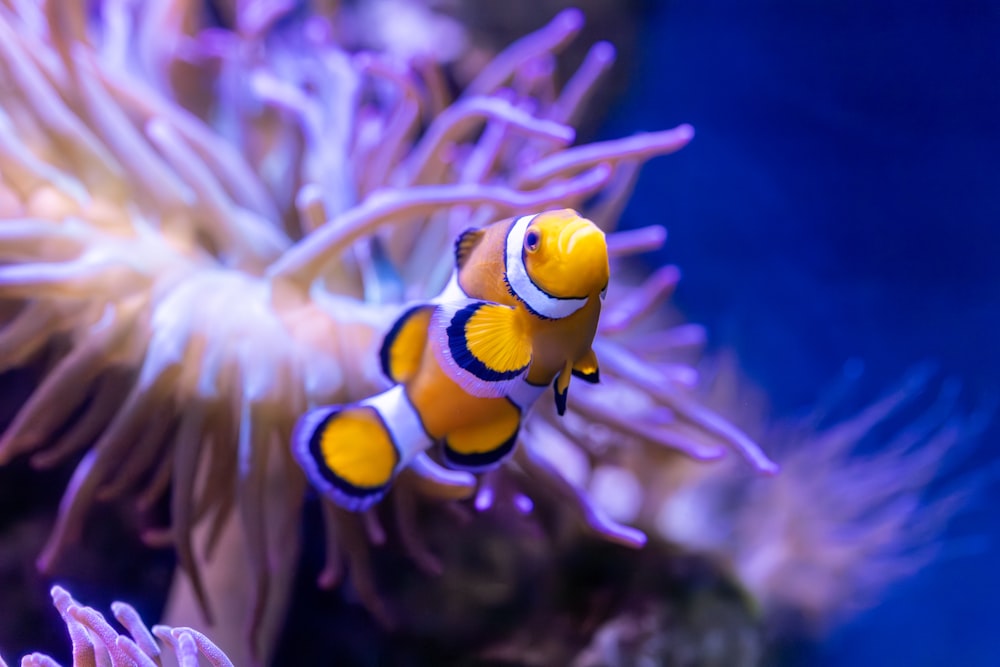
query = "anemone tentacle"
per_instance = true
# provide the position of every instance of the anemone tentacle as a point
(96, 642)
(206, 275)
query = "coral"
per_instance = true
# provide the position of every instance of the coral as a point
(208, 230)
(95, 641)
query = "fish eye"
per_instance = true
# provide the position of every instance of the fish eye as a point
(604, 293)
(531, 241)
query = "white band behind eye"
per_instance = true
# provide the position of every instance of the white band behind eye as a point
(527, 291)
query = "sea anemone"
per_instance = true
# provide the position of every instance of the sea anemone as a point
(860, 503)
(95, 641)
(204, 273)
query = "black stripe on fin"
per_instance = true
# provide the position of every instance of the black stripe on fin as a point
(479, 461)
(587, 369)
(561, 399)
(561, 387)
(306, 447)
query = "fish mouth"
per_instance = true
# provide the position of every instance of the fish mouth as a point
(584, 245)
(580, 233)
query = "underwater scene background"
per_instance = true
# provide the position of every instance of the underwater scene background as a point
(177, 177)
(840, 202)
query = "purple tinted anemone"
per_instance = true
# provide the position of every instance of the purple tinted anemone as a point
(850, 513)
(96, 642)
(203, 268)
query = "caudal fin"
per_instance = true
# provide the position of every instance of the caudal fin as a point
(347, 453)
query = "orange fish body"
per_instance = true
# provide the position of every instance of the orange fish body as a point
(521, 311)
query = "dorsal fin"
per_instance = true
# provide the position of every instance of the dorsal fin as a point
(465, 244)
(403, 346)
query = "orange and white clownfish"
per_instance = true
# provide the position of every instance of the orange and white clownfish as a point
(521, 311)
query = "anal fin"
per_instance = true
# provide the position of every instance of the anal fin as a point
(483, 446)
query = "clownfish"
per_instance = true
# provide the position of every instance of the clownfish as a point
(520, 313)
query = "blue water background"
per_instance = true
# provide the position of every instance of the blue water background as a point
(841, 200)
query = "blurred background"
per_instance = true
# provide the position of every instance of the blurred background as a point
(837, 212)
(840, 204)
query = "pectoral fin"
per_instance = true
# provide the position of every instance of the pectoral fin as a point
(586, 368)
(403, 347)
(482, 346)
(562, 387)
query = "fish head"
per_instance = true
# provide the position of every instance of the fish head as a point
(566, 255)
